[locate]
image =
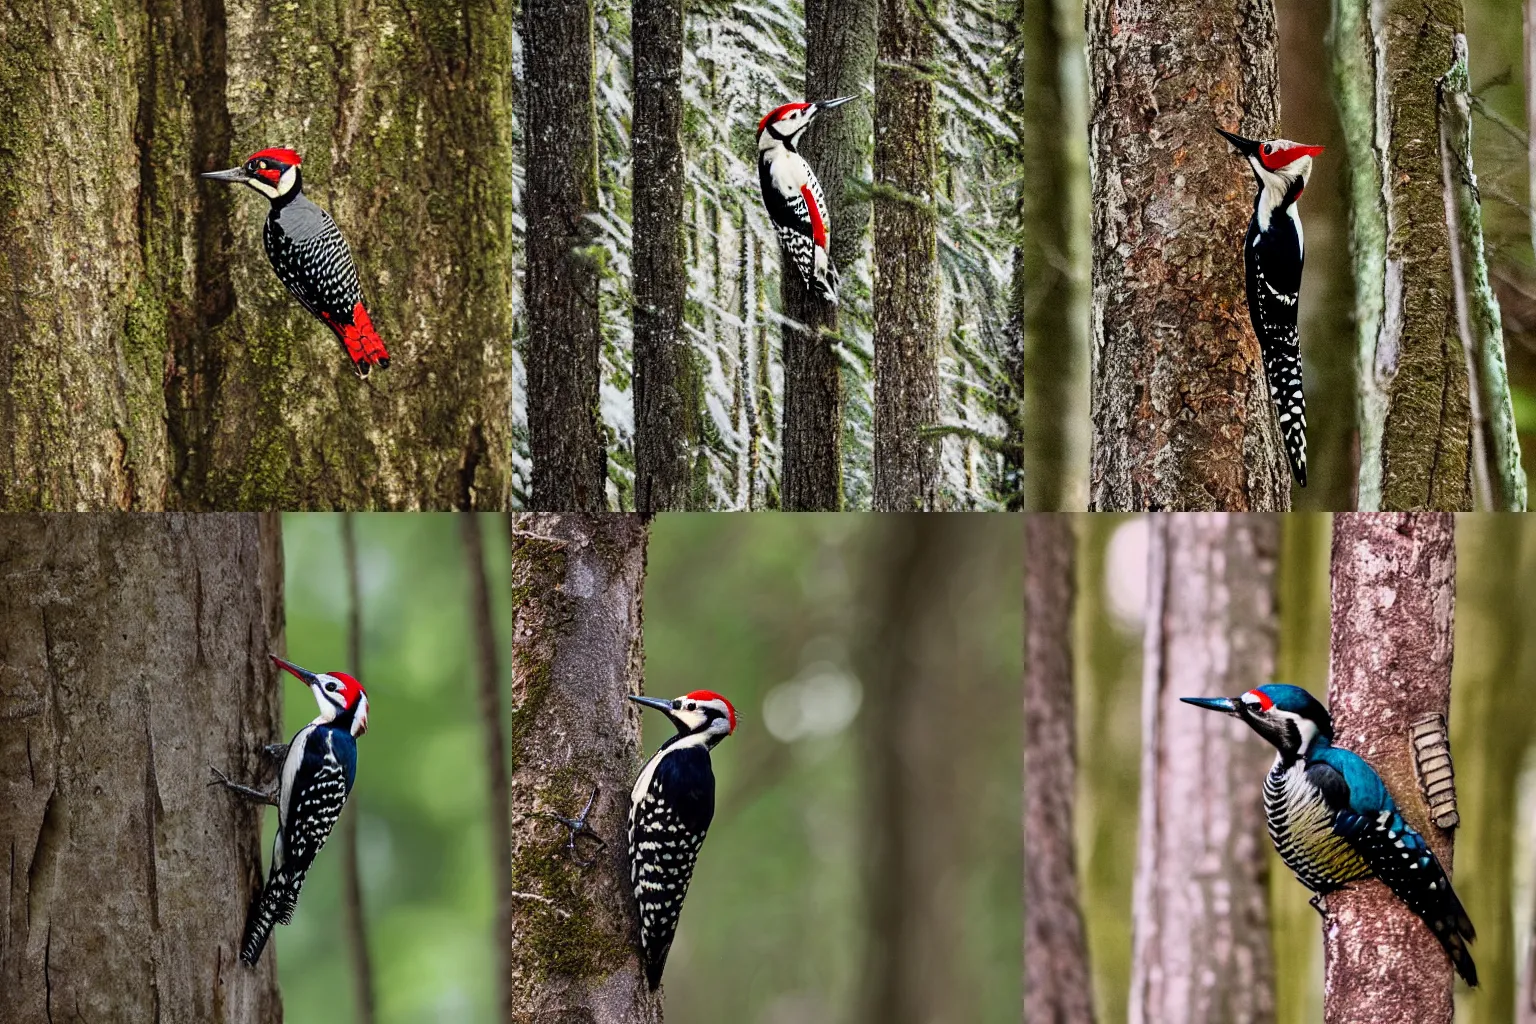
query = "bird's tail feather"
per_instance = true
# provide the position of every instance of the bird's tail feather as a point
(274, 905)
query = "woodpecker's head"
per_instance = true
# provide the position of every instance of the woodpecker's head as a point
(783, 126)
(272, 172)
(1288, 716)
(700, 713)
(341, 698)
(1276, 163)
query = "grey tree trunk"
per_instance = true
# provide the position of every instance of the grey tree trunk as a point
(153, 360)
(565, 435)
(1415, 417)
(1182, 418)
(1048, 303)
(666, 386)
(1201, 905)
(1058, 988)
(906, 263)
(576, 653)
(839, 61)
(1393, 594)
(130, 878)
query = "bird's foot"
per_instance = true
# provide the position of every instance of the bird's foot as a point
(578, 827)
(256, 795)
(275, 751)
(1319, 903)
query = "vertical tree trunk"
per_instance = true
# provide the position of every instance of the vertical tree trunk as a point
(906, 262)
(130, 878)
(1201, 915)
(1182, 418)
(1393, 593)
(1058, 988)
(839, 61)
(1415, 425)
(1049, 298)
(576, 653)
(565, 434)
(666, 398)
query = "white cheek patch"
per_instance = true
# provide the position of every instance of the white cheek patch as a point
(285, 183)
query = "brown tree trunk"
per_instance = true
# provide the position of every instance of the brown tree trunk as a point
(1058, 988)
(576, 653)
(1182, 418)
(906, 263)
(135, 656)
(839, 61)
(1201, 913)
(1393, 594)
(565, 434)
(666, 380)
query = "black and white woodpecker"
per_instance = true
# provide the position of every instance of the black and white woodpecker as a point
(793, 196)
(1273, 252)
(670, 808)
(319, 764)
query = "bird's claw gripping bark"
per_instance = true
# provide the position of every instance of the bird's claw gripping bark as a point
(1319, 903)
(258, 795)
(578, 827)
(276, 751)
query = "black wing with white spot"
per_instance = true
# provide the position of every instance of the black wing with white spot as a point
(666, 830)
(1274, 260)
(313, 260)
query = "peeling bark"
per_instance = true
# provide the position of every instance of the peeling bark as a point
(1201, 906)
(129, 877)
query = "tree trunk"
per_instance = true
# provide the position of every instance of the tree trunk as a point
(1415, 425)
(665, 386)
(565, 434)
(1182, 418)
(906, 263)
(576, 654)
(1049, 298)
(1393, 594)
(839, 61)
(129, 877)
(153, 359)
(1200, 910)
(1058, 988)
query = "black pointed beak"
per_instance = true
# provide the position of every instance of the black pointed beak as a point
(664, 706)
(305, 674)
(1247, 147)
(1226, 705)
(235, 174)
(823, 105)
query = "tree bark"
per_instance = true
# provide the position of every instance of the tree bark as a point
(565, 434)
(1393, 594)
(666, 379)
(1058, 988)
(1415, 425)
(839, 61)
(1049, 298)
(1182, 417)
(576, 653)
(906, 262)
(129, 877)
(1201, 915)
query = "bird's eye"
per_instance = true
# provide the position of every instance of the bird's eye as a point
(1268, 148)
(331, 687)
(691, 707)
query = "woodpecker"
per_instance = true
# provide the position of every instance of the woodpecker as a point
(319, 764)
(1273, 252)
(1334, 822)
(793, 195)
(670, 809)
(309, 254)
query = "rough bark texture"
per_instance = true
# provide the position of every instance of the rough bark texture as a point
(576, 654)
(129, 878)
(665, 385)
(153, 359)
(1049, 299)
(565, 433)
(1415, 425)
(1058, 988)
(1393, 594)
(839, 61)
(906, 263)
(1182, 418)
(1200, 910)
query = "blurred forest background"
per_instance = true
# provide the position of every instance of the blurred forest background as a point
(1492, 740)
(780, 616)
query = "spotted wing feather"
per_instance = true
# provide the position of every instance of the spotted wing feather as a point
(1274, 260)
(666, 829)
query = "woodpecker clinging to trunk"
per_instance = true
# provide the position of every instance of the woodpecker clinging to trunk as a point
(319, 764)
(1333, 820)
(793, 195)
(309, 254)
(1272, 253)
